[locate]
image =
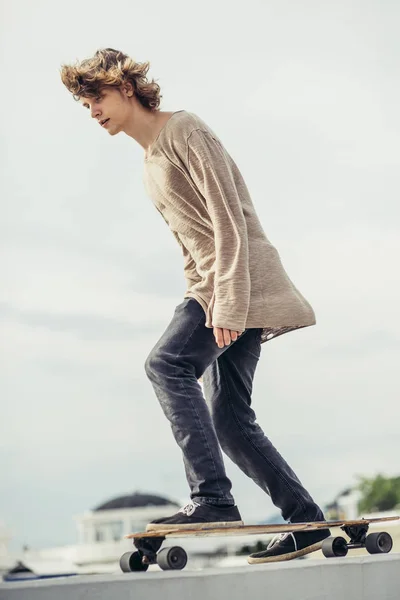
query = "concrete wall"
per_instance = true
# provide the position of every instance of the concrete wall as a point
(369, 578)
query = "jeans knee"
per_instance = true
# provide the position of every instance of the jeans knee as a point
(152, 365)
(161, 365)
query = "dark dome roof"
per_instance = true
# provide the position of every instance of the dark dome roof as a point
(135, 500)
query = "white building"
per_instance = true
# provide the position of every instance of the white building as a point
(101, 531)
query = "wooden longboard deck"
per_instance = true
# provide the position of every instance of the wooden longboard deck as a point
(255, 529)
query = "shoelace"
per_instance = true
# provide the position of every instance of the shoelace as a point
(189, 508)
(279, 538)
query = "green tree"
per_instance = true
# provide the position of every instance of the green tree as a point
(379, 493)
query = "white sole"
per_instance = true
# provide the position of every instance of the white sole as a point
(256, 561)
(165, 527)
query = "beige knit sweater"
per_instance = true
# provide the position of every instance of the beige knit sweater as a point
(230, 266)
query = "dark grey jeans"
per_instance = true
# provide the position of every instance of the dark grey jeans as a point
(222, 417)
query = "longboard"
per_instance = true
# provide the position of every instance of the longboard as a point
(148, 543)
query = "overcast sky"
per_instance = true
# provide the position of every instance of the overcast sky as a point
(305, 95)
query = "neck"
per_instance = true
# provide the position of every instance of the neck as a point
(144, 125)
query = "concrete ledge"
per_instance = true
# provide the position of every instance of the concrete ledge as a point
(369, 578)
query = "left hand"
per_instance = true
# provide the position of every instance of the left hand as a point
(224, 337)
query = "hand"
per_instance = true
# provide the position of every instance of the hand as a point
(223, 337)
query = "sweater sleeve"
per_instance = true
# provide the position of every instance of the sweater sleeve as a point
(209, 167)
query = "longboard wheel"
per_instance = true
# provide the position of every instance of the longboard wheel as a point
(334, 546)
(132, 561)
(379, 543)
(172, 558)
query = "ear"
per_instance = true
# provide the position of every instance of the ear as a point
(127, 89)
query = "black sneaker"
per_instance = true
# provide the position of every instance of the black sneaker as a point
(286, 546)
(199, 516)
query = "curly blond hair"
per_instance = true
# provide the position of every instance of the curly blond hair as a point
(109, 67)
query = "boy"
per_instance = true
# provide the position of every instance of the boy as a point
(238, 297)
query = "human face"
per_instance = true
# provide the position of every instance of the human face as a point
(110, 109)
